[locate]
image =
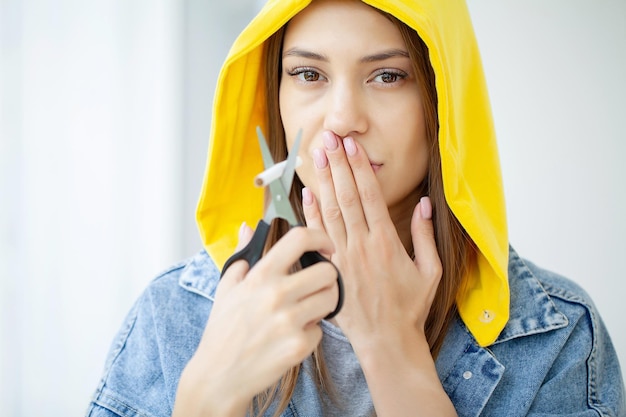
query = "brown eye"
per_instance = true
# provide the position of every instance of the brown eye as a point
(388, 77)
(310, 76)
(306, 75)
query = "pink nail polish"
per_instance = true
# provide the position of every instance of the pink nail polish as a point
(319, 158)
(330, 141)
(307, 197)
(242, 230)
(426, 208)
(349, 146)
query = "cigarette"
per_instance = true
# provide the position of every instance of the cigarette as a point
(272, 173)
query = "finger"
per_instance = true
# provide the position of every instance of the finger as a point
(311, 210)
(245, 236)
(316, 306)
(288, 250)
(346, 191)
(308, 281)
(312, 215)
(238, 270)
(304, 344)
(426, 256)
(329, 208)
(370, 194)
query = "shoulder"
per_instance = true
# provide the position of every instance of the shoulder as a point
(158, 337)
(544, 297)
(184, 289)
(560, 287)
(557, 345)
(197, 274)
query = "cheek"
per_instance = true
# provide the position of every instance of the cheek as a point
(293, 120)
(411, 151)
(291, 113)
(306, 172)
(285, 110)
(419, 166)
(416, 160)
(416, 144)
(401, 184)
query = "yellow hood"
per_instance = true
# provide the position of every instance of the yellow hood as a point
(471, 171)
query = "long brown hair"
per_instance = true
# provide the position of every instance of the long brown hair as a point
(453, 244)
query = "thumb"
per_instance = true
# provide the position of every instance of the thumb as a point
(238, 270)
(423, 235)
(245, 236)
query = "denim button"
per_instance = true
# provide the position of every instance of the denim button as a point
(467, 374)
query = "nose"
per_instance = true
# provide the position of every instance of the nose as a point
(346, 110)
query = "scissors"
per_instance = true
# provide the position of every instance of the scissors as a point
(280, 207)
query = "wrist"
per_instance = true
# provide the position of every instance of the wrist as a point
(404, 358)
(380, 353)
(402, 378)
(201, 394)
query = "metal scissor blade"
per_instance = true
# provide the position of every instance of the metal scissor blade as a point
(268, 161)
(279, 205)
(290, 166)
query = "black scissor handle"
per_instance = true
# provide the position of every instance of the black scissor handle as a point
(253, 251)
(311, 258)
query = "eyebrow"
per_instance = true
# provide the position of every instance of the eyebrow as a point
(301, 53)
(380, 56)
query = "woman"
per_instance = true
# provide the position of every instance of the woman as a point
(400, 188)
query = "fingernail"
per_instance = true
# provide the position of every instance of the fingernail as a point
(319, 158)
(242, 230)
(426, 208)
(349, 146)
(307, 196)
(330, 141)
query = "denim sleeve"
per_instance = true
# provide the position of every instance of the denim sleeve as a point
(585, 379)
(133, 384)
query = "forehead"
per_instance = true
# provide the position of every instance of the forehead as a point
(342, 22)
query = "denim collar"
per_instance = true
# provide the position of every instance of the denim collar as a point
(200, 276)
(531, 310)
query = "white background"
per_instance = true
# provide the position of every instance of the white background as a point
(104, 120)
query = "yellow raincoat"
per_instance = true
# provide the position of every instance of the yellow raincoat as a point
(471, 171)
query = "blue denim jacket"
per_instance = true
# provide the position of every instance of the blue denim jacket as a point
(554, 357)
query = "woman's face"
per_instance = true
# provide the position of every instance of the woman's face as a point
(346, 70)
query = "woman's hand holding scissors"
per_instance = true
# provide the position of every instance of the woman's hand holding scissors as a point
(264, 321)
